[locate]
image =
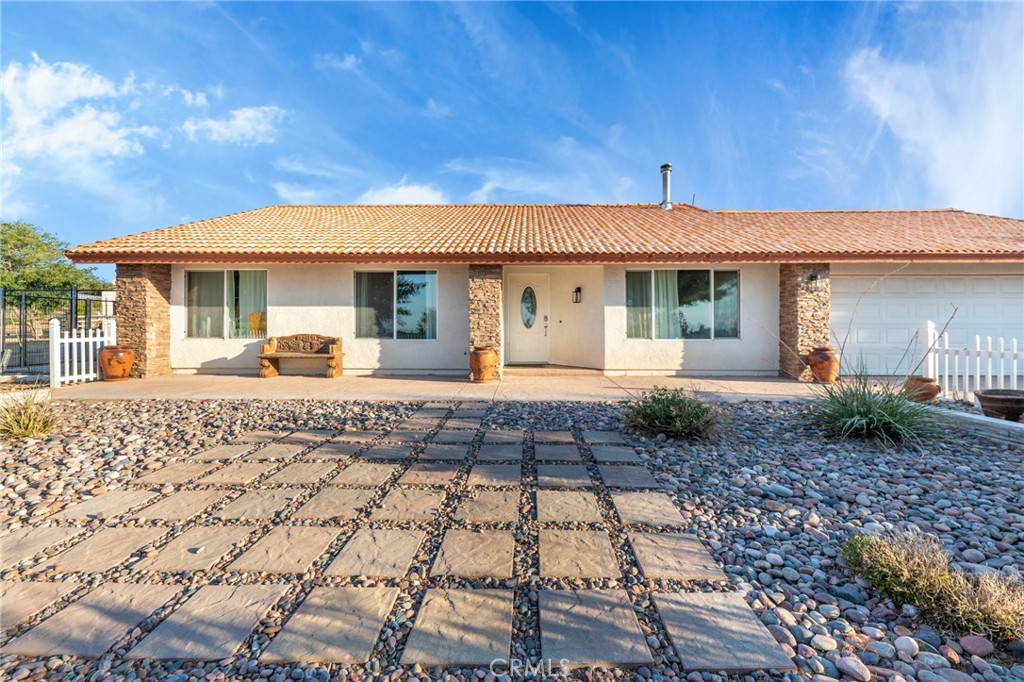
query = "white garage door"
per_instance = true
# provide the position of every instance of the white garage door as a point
(881, 328)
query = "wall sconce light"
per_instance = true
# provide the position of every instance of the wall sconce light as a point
(577, 294)
(815, 282)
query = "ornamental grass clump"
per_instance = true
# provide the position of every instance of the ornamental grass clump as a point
(673, 413)
(26, 415)
(859, 407)
(912, 568)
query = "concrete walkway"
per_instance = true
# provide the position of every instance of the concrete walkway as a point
(577, 387)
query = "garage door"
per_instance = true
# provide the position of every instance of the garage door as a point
(881, 328)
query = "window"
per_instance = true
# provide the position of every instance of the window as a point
(683, 304)
(226, 304)
(396, 305)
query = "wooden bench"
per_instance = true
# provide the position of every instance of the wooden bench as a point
(300, 346)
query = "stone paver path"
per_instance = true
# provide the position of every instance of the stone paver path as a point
(441, 524)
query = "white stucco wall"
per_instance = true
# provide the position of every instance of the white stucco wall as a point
(755, 352)
(319, 299)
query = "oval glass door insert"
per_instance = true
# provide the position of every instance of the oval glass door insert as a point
(528, 307)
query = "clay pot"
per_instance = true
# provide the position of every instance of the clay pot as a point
(116, 362)
(1001, 403)
(824, 364)
(482, 363)
(921, 389)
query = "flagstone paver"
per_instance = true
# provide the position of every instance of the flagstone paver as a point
(406, 436)
(670, 555)
(236, 473)
(563, 476)
(717, 631)
(229, 451)
(461, 627)
(330, 503)
(302, 473)
(471, 423)
(286, 549)
(603, 438)
(577, 554)
(419, 424)
(441, 451)
(429, 474)
(453, 436)
(614, 454)
(387, 451)
(19, 601)
(104, 549)
(211, 625)
(175, 472)
(475, 554)
(504, 437)
(309, 436)
(500, 453)
(334, 450)
(261, 436)
(25, 543)
(369, 474)
(197, 549)
(91, 625)
(547, 452)
(378, 553)
(591, 628)
(627, 477)
(260, 504)
(561, 437)
(276, 451)
(333, 624)
(357, 436)
(490, 506)
(495, 475)
(107, 505)
(181, 505)
(409, 505)
(653, 509)
(568, 505)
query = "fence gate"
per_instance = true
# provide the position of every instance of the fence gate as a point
(24, 323)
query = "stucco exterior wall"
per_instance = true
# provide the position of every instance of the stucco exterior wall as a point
(320, 299)
(754, 353)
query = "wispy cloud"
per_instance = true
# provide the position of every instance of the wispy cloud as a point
(436, 110)
(333, 62)
(188, 97)
(245, 126)
(294, 193)
(403, 192)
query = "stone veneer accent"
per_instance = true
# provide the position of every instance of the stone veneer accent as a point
(144, 316)
(485, 296)
(804, 308)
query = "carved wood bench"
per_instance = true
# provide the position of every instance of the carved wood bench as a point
(300, 346)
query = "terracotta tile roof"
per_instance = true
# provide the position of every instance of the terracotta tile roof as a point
(630, 233)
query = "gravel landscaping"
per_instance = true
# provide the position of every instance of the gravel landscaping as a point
(771, 500)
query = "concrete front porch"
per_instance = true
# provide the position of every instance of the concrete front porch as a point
(533, 387)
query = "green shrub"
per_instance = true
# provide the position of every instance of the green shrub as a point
(672, 413)
(26, 415)
(857, 407)
(912, 568)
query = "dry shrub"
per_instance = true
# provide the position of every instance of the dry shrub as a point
(912, 568)
(26, 415)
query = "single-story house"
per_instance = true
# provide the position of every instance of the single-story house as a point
(625, 289)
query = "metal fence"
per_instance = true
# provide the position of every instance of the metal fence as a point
(24, 323)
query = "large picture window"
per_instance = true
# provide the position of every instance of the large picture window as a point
(226, 304)
(683, 304)
(396, 305)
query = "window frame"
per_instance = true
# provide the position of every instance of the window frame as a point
(225, 311)
(652, 326)
(394, 301)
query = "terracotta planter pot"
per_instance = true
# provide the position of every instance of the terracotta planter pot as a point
(921, 389)
(824, 364)
(116, 362)
(482, 363)
(1001, 403)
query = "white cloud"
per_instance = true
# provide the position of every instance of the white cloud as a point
(291, 193)
(436, 110)
(246, 126)
(188, 97)
(403, 193)
(332, 62)
(955, 112)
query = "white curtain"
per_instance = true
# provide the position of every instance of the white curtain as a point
(205, 304)
(638, 305)
(666, 305)
(247, 296)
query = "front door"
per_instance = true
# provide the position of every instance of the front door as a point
(527, 317)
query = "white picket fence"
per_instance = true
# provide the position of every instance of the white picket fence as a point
(74, 354)
(961, 371)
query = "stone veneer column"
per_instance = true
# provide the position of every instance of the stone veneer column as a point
(144, 316)
(485, 294)
(804, 306)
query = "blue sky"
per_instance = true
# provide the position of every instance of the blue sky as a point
(122, 117)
